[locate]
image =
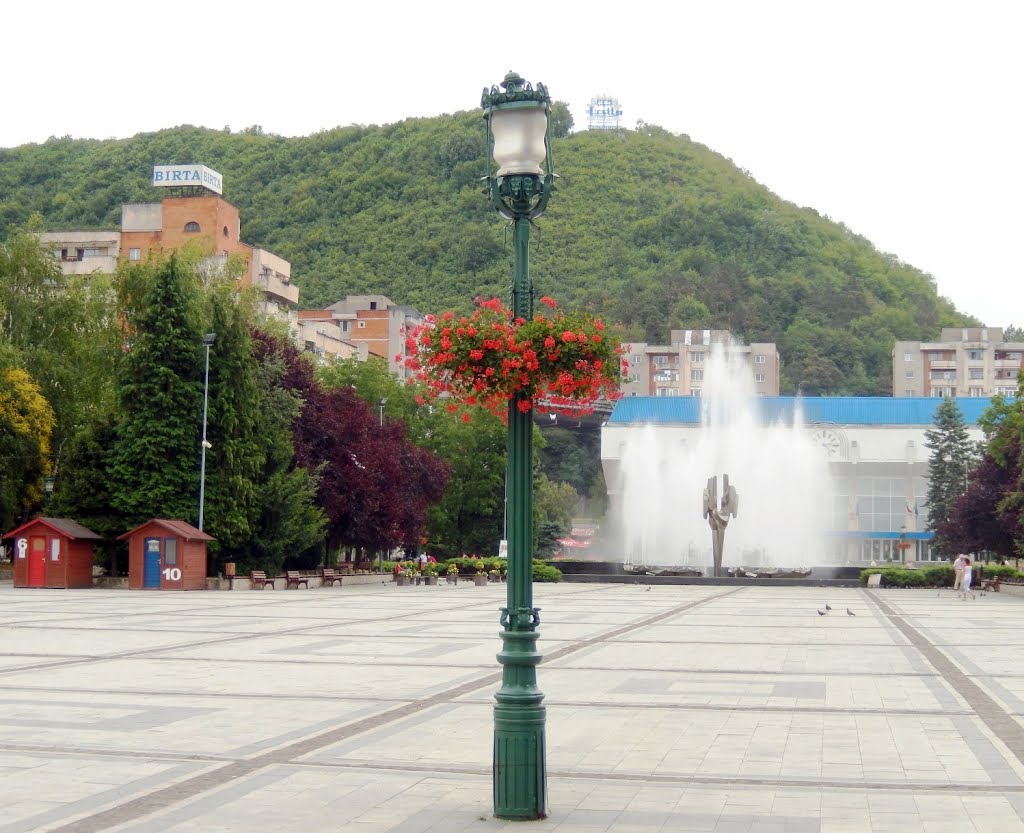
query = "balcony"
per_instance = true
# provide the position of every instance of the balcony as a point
(943, 364)
(277, 289)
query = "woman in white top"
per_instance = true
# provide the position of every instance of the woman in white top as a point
(965, 582)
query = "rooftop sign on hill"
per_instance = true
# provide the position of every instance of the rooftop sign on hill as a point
(185, 176)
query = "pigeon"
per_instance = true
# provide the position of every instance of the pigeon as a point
(821, 612)
(827, 606)
(648, 588)
(850, 612)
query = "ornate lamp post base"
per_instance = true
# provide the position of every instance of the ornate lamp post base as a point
(520, 771)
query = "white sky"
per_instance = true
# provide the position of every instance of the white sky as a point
(900, 118)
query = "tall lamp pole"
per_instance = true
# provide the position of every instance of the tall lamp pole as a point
(381, 405)
(207, 342)
(517, 128)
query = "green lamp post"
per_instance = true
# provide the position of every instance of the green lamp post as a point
(517, 136)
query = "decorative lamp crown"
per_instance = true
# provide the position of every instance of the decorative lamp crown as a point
(517, 119)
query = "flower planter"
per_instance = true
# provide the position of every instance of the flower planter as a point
(452, 578)
(401, 581)
(431, 580)
(480, 579)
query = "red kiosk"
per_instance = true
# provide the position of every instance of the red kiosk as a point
(166, 555)
(53, 552)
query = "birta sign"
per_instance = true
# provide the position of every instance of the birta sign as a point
(171, 176)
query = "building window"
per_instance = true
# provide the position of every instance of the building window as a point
(362, 325)
(636, 359)
(695, 392)
(976, 392)
(697, 374)
(910, 374)
(908, 356)
(373, 305)
(909, 393)
(759, 359)
(191, 227)
(975, 355)
(661, 359)
(135, 254)
(696, 357)
(759, 377)
(976, 373)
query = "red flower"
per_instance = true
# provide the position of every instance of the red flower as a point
(549, 301)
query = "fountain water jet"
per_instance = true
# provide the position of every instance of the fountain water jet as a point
(784, 475)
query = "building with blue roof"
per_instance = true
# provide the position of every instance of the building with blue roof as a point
(874, 447)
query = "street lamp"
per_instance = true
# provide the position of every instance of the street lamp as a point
(381, 405)
(207, 342)
(517, 136)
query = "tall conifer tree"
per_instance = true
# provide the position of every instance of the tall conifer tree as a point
(952, 457)
(154, 464)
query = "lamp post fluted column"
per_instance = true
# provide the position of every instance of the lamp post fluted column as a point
(517, 120)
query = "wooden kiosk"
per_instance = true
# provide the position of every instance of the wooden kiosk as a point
(53, 552)
(166, 555)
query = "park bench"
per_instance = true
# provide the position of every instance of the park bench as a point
(258, 578)
(292, 577)
(330, 576)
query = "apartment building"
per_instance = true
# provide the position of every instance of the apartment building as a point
(213, 224)
(195, 214)
(84, 252)
(375, 324)
(968, 361)
(681, 367)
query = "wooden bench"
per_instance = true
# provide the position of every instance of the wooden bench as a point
(329, 576)
(259, 579)
(292, 577)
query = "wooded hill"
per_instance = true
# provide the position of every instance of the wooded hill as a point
(647, 228)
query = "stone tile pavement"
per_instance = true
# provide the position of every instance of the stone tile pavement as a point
(369, 709)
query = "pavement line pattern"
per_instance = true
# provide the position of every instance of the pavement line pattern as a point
(210, 780)
(1003, 725)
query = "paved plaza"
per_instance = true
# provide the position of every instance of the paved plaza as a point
(369, 709)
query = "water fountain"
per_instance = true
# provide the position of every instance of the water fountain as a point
(783, 474)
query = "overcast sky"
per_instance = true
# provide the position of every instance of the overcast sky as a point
(901, 119)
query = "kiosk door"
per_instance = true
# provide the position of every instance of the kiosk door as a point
(36, 561)
(151, 564)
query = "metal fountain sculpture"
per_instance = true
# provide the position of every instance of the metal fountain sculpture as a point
(718, 516)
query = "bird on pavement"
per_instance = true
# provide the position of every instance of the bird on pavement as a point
(850, 612)
(821, 612)
(827, 606)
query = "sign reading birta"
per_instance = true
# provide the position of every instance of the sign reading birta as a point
(169, 176)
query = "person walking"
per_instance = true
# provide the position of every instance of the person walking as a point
(958, 571)
(965, 581)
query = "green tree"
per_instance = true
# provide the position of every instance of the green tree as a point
(154, 462)
(289, 520)
(952, 456)
(26, 426)
(554, 506)
(469, 518)
(235, 461)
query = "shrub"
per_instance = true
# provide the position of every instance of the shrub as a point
(896, 576)
(938, 576)
(545, 572)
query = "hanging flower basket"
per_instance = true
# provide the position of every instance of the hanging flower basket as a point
(558, 363)
(903, 545)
